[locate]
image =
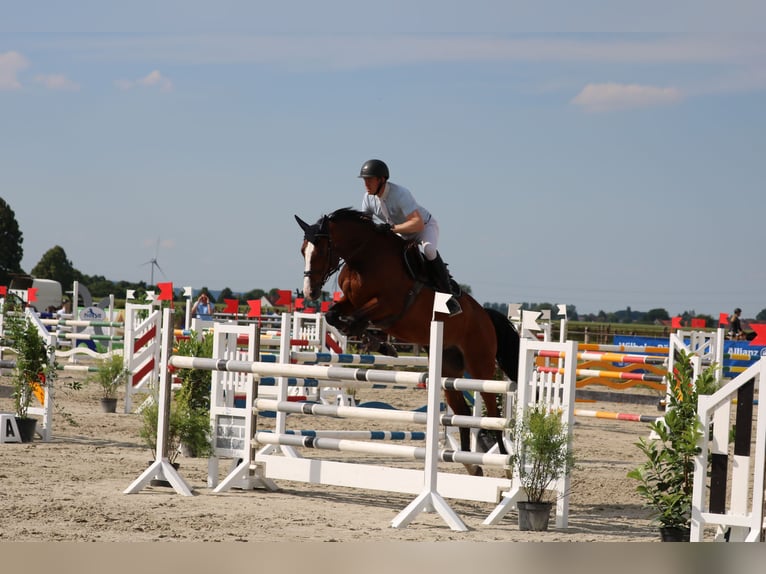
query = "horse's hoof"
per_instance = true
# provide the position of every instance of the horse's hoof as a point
(474, 470)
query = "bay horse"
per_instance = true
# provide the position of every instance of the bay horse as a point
(384, 284)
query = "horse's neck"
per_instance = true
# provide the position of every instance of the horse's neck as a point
(357, 250)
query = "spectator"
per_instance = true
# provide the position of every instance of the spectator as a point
(66, 309)
(203, 308)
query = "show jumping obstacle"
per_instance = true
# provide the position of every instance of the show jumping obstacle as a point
(731, 499)
(430, 486)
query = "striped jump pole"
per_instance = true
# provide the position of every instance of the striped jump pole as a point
(608, 357)
(606, 374)
(615, 416)
(81, 323)
(359, 435)
(354, 359)
(347, 376)
(393, 450)
(377, 414)
(633, 349)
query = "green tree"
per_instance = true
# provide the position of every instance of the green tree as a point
(254, 294)
(761, 316)
(11, 239)
(658, 314)
(55, 265)
(226, 293)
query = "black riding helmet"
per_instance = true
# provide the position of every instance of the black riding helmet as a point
(374, 168)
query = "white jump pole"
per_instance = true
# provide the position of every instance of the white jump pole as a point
(430, 499)
(161, 467)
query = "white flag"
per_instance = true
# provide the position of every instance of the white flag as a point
(187, 291)
(130, 294)
(563, 310)
(440, 302)
(529, 320)
(514, 311)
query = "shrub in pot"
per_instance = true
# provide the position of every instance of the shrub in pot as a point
(110, 375)
(35, 363)
(148, 430)
(666, 478)
(193, 398)
(542, 454)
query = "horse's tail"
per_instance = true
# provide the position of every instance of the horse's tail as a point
(507, 343)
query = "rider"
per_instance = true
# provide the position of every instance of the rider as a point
(735, 325)
(397, 208)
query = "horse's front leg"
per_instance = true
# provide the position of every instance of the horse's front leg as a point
(341, 315)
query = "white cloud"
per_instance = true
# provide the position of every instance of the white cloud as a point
(10, 65)
(153, 79)
(611, 96)
(57, 82)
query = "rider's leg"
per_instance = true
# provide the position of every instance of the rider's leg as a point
(429, 240)
(438, 270)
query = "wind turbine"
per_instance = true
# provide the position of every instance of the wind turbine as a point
(153, 263)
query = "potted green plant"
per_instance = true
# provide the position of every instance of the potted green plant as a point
(542, 454)
(666, 477)
(35, 365)
(110, 375)
(148, 432)
(193, 398)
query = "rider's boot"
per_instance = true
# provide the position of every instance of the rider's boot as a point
(441, 277)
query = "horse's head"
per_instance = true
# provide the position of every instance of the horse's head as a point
(320, 260)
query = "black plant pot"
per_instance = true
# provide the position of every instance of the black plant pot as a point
(26, 428)
(109, 405)
(534, 515)
(674, 534)
(162, 481)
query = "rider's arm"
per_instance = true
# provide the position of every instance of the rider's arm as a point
(413, 224)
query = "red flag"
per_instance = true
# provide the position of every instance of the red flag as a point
(232, 306)
(675, 322)
(3, 290)
(723, 319)
(325, 306)
(255, 307)
(698, 323)
(337, 295)
(760, 333)
(299, 303)
(285, 297)
(31, 294)
(166, 291)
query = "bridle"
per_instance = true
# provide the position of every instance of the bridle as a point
(321, 233)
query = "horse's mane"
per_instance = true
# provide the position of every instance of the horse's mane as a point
(351, 214)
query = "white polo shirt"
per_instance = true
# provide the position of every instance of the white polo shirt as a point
(394, 205)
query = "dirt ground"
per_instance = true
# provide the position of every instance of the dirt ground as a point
(71, 489)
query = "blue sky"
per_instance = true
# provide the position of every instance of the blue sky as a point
(600, 154)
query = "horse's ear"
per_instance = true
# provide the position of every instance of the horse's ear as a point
(304, 226)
